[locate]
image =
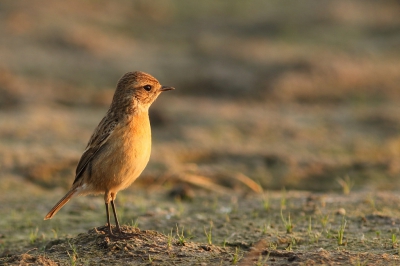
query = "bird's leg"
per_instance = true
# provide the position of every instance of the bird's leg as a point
(108, 218)
(115, 216)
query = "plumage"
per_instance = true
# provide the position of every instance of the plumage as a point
(120, 147)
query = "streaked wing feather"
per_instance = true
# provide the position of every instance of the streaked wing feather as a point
(96, 142)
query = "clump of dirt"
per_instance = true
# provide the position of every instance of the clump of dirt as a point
(26, 259)
(133, 247)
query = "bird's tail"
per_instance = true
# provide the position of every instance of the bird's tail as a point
(60, 204)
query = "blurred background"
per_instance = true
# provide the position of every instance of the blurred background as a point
(302, 95)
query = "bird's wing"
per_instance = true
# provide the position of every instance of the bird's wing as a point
(100, 136)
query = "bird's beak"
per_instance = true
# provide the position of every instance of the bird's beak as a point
(166, 88)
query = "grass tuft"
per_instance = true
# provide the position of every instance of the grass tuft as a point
(236, 256)
(287, 223)
(209, 234)
(181, 236)
(341, 231)
(346, 183)
(33, 235)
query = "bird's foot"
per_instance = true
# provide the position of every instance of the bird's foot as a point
(119, 234)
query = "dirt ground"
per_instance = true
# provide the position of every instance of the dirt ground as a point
(279, 146)
(273, 228)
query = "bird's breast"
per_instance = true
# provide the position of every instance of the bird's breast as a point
(127, 153)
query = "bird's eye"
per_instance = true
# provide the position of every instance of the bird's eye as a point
(147, 87)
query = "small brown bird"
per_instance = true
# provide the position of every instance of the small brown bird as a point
(119, 148)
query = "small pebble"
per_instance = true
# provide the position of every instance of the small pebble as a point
(341, 211)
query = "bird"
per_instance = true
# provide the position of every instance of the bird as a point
(120, 146)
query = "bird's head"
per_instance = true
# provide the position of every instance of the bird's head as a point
(138, 89)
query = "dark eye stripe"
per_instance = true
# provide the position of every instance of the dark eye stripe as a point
(147, 87)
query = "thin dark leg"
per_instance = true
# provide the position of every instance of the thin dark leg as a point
(108, 219)
(115, 216)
